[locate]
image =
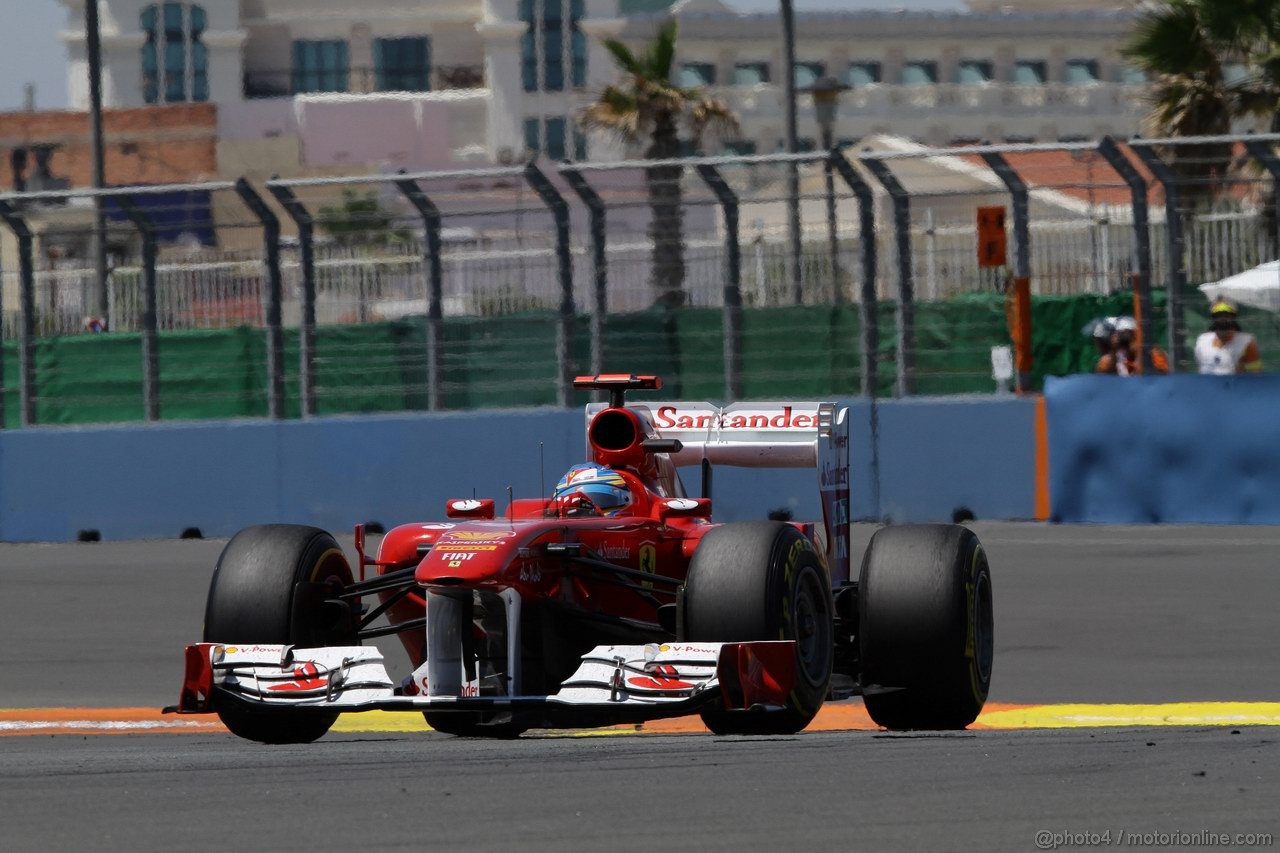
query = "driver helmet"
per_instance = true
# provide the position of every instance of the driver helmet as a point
(604, 487)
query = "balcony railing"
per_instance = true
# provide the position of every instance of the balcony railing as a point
(765, 100)
(284, 83)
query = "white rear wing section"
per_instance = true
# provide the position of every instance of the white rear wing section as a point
(767, 435)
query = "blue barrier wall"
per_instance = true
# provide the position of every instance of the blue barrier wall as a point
(155, 480)
(1187, 449)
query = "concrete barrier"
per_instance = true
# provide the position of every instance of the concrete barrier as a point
(142, 481)
(1184, 449)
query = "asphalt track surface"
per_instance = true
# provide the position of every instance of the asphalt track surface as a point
(1083, 615)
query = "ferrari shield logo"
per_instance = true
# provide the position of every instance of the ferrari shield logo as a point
(648, 562)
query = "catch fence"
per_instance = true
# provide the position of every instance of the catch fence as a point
(493, 287)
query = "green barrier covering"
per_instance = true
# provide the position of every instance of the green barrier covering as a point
(788, 352)
(9, 386)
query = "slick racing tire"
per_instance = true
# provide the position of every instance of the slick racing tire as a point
(254, 597)
(925, 621)
(763, 581)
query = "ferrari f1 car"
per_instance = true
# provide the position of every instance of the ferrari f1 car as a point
(616, 600)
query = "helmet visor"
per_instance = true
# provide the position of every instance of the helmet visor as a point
(604, 496)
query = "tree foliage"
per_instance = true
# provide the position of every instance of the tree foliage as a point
(360, 220)
(647, 107)
(1214, 64)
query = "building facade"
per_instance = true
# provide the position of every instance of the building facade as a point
(428, 83)
(934, 77)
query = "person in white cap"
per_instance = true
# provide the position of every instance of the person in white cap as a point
(1124, 358)
(1225, 349)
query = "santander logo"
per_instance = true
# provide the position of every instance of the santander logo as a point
(670, 417)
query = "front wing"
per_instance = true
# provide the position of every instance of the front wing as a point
(613, 684)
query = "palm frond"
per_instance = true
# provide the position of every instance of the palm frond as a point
(662, 52)
(622, 55)
(1172, 39)
(711, 114)
(616, 111)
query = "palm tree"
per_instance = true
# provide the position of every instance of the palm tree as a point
(1176, 44)
(1188, 48)
(647, 106)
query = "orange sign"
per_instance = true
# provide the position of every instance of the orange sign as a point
(992, 240)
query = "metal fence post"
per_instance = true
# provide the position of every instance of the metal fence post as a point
(1176, 246)
(150, 351)
(3, 391)
(1022, 257)
(1111, 152)
(833, 230)
(599, 264)
(868, 315)
(732, 281)
(275, 296)
(307, 257)
(27, 305)
(1266, 155)
(431, 220)
(905, 315)
(564, 331)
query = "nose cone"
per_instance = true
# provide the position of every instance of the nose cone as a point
(467, 558)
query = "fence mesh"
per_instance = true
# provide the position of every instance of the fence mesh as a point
(514, 319)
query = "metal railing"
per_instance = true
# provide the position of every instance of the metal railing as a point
(285, 82)
(588, 242)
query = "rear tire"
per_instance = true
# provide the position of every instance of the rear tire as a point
(764, 581)
(925, 625)
(252, 600)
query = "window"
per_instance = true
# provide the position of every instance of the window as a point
(750, 73)
(806, 74)
(553, 143)
(973, 73)
(546, 17)
(694, 74)
(319, 66)
(1131, 76)
(1029, 72)
(1234, 72)
(919, 74)
(175, 61)
(862, 74)
(1080, 72)
(402, 64)
(739, 147)
(533, 136)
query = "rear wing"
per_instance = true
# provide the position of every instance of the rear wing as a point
(766, 435)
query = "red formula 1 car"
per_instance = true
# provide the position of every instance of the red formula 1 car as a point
(617, 600)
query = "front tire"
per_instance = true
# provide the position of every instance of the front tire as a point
(925, 625)
(252, 600)
(764, 581)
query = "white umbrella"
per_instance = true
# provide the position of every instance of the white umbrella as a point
(1258, 287)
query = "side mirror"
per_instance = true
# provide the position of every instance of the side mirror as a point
(684, 508)
(470, 508)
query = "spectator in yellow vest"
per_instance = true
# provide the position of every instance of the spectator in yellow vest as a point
(1225, 349)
